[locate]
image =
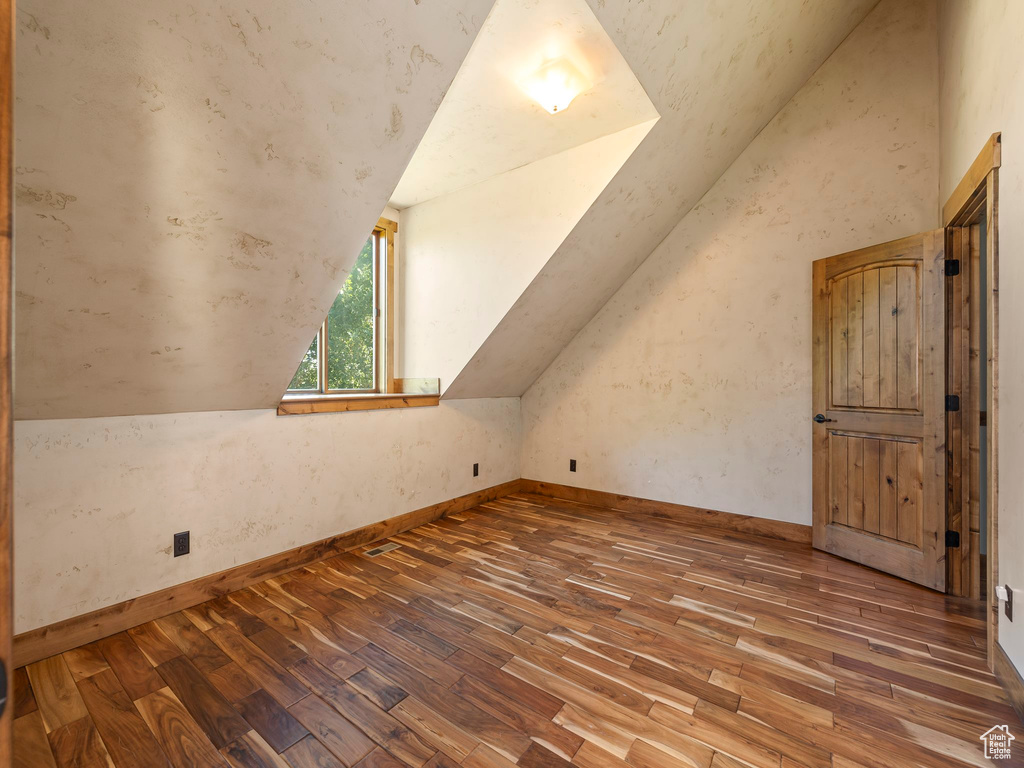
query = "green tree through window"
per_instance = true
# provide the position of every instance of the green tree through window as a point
(350, 333)
(350, 339)
(308, 374)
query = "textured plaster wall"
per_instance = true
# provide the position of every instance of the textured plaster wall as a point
(693, 384)
(195, 180)
(98, 500)
(981, 49)
(467, 256)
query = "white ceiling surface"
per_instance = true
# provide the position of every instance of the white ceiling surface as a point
(487, 125)
(716, 73)
(194, 180)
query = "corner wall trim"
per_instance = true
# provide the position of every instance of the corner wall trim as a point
(1010, 679)
(757, 526)
(70, 633)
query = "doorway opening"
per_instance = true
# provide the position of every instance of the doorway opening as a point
(970, 218)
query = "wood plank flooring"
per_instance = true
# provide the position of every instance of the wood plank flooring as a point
(538, 633)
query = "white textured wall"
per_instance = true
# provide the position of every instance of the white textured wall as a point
(981, 47)
(194, 182)
(693, 384)
(97, 501)
(467, 256)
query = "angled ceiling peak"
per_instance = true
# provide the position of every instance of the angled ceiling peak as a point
(542, 114)
(716, 73)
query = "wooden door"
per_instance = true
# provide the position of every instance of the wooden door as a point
(879, 407)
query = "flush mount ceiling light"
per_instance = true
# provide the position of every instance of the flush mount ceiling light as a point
(555, 85)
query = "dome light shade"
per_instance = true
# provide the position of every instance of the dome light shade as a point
(555, 85)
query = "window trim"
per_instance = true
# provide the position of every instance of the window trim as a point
(383, 235)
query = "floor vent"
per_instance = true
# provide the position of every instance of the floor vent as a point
(381, 549)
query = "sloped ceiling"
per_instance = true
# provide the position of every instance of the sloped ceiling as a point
(497, 182)
(194, 180)
(519, 218)
(488, 125)
(716, 72)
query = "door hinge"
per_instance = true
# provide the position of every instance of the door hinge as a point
(952, 402)
(952, 267)
(952, 538)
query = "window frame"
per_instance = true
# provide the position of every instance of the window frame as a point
(383, 263)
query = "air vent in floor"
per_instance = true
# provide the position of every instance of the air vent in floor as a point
(381, 549)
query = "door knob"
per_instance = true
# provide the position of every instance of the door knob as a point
(820, 418)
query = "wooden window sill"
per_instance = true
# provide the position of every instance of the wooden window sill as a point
(302, 404)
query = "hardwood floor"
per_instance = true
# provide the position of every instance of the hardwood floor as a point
(537, 633)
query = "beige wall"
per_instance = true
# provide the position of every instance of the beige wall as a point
(467, 256)
(981, 48)
(97, 501)
(692, 384)
(194, 182)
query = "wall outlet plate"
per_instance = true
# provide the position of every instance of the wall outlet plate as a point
(572, 465)
(476, 470)
(181, 544)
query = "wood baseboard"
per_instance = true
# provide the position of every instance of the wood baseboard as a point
(70, 633)
(1010, 679)
(757, 526)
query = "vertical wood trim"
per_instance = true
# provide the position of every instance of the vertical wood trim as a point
(931, 399)
(388, 379)
(6, 349)
(992, 444)
(972, 564)
(820, 360)
(955, 320)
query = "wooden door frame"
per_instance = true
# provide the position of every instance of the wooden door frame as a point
(978, 194)
(6, 349)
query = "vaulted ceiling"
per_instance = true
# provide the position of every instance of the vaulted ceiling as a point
(488, 125)
(194, 181)
(716, 72)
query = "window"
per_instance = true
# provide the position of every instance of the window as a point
(353, 350)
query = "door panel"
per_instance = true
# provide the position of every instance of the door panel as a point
(874, 323)
(879, 466)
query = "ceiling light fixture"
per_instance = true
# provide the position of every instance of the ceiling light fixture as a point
(555, 85)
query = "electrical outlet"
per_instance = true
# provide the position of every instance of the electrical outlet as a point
(181, 544)
(476, 470)
(1008, 605)
(572, 465)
